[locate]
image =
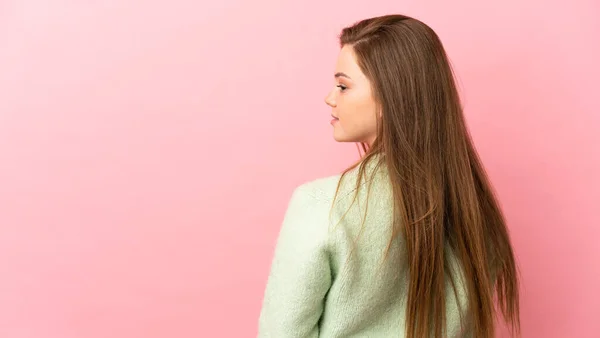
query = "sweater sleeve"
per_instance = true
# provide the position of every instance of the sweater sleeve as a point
(300, 274)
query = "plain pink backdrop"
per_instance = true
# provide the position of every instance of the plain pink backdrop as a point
(148, 151)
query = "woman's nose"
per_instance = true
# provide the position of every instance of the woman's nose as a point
(329, 100)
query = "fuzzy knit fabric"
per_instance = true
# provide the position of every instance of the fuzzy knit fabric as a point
(329, 279)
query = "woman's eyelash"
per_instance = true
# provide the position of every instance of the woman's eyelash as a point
(342, 87)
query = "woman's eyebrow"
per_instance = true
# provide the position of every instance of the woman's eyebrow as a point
(340, 74)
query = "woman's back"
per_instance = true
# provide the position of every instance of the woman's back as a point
(331, 279)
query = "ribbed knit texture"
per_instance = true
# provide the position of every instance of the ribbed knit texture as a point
(317, 289)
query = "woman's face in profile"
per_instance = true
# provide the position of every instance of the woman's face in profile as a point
(352, 103)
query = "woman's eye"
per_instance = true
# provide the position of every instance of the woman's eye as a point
(341, 87)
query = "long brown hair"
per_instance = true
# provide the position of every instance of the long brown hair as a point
(442, 195)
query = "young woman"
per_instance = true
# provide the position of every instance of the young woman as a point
(410, 240)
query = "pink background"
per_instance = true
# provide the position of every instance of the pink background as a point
(148, 151)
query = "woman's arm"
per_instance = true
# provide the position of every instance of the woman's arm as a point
(300, 273)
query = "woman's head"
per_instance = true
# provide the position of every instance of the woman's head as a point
(395, 93)
(393, 83)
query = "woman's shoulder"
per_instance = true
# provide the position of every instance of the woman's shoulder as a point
(321, 189)
(341, 186)
(325, 188)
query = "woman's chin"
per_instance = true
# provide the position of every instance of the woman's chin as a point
(342, 139)
(338, 138)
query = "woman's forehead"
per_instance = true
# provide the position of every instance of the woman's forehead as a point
(347, 65)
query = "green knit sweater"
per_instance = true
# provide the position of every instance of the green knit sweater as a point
(321, 285)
